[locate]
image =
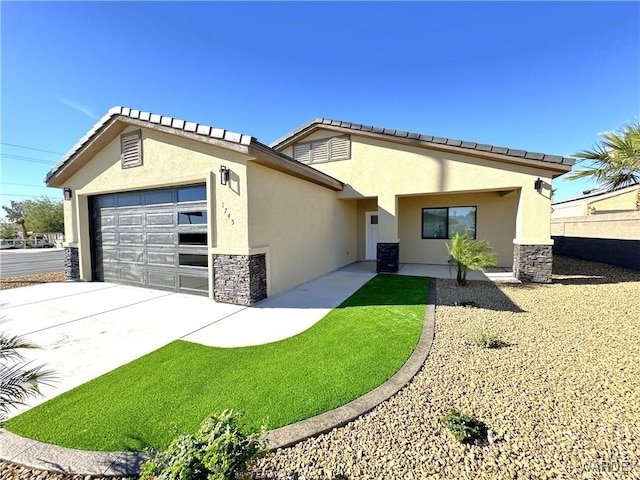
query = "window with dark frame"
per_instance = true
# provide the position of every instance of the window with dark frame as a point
(446, 222)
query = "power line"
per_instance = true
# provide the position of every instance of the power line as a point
(30, 148)
(21, 158)
(17, 195)
(25, 184)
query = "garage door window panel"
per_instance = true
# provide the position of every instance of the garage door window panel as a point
(196, 217)
(193, 260)
(159, 196)
(128, 199)
(193, 239)
(192, 194)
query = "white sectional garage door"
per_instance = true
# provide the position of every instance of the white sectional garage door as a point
(152, 238)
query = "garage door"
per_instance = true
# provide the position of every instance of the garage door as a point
(152, 238)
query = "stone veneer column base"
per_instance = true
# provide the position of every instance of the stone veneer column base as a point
(532, 263)
(239, 279)
(71, 263)
(388, 257)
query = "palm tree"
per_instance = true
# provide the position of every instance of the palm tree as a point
(18, 381)
(467, 254)
(615, 159)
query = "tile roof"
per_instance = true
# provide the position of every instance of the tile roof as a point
(162, 120)
(597, 193)
(429, 139)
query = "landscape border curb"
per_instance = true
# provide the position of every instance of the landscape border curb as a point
(42, 456)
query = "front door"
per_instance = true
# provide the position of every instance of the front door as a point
(371, 235)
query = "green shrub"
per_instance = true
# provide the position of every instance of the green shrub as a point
(466, 254)
(485, 339)
(465, 428)
(220, 450)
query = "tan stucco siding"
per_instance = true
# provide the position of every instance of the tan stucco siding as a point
(387, 170)
(168, 160)
(624, 202)
(303, 229)
(495, 222)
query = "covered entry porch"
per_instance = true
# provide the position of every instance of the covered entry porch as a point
(410, 230)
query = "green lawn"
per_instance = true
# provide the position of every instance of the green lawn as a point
(352, 350)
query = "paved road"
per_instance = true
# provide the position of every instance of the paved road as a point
(16, 263)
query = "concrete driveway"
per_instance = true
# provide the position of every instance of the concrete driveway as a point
(87, 329)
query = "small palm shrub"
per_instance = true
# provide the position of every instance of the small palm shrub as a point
(464, 427)
(18, 381)
(466, 254)
(220, 450)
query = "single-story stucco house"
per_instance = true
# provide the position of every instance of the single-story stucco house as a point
(154, 201)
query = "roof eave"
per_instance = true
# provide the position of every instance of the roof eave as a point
(127, 116)
(266, 156)
(111, 126)
(559, 165)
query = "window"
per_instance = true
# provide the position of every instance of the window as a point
(192, 239)
(445, 222)
(192, 194)
(325, 150)
(193, 260)
(198, 217)
(131, 149)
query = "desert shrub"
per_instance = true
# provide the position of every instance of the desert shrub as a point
(464, 427)
(485, 339)
(221, 450)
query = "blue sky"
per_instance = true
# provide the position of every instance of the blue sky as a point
(540, 76)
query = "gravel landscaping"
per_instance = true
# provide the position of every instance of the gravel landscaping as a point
(561, 393)
(27, 281)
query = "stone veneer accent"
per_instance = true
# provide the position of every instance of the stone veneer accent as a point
(388, 257)
(532, 263)
(71, 263)
(239, 279)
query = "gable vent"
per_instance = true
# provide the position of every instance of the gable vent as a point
(131, 149)
(325, 150)
(340, 148)
(320, 151)
(302, 152)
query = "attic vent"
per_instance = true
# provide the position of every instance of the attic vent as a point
(131, 149)
(302, 152)
(325, 150)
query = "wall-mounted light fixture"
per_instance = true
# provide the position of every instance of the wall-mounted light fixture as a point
(67, 193)
(224, 175)
(538, 185)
